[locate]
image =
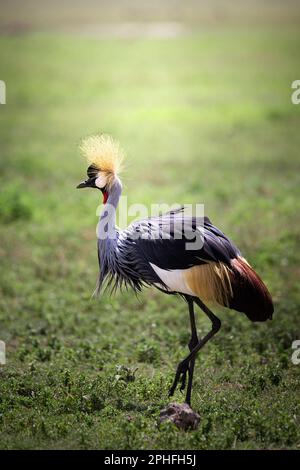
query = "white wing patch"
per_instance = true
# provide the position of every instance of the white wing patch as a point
(173, 279)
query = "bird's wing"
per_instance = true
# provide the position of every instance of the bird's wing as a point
(178, 241)
(215, 271)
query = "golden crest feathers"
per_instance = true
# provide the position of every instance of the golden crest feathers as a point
(103, 152)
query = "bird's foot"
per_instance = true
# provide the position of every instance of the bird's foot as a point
(180, 375)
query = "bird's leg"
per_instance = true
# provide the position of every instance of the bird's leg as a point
(183, 366)
(192, 343)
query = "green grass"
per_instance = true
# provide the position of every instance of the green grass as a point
(203, 118)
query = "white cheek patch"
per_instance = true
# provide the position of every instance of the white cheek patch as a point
(101, 181)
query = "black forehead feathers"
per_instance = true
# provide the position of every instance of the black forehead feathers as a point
(92, 171)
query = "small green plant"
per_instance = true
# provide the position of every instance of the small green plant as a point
(148, 351)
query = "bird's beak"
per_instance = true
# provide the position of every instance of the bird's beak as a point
(82, 185)
(86, 184)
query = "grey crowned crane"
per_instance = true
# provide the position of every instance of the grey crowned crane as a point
(150, 253)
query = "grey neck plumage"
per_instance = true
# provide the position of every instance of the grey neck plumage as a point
(107, 233)
(106, 229)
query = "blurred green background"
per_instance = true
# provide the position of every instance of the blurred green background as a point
(199, 95)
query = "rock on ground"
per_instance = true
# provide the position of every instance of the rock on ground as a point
(181, 414)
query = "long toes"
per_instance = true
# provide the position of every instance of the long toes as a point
(175, 383)
(183, 382)
(180, 376)
(173, 387)
(172, 390)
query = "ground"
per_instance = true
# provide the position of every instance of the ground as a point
(205, 117)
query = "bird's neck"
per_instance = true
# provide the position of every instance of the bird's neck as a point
(106, 230)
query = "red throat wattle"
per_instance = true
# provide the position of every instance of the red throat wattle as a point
(105, 196)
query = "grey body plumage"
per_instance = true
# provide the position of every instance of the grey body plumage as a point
(125, 256)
